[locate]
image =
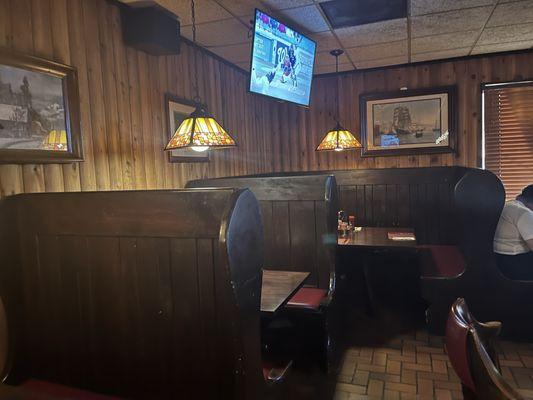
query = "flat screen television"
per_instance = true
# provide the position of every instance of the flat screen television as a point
(282, 61)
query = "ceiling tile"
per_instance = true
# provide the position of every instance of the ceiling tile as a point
(307, 17)
(497, 47)
(283, 4)
(206, 11)
(325, 41)
(380, 51)
(378, 32)
(220, 33)
(381, 63)
(327, 69)
(235, 53)
(439, 55)
(420, 7)
(240, 8)
(504, 34)
(519, 12)
(451, 21)
(446, 41)
(324, 58)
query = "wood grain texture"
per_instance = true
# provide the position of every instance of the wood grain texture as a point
(144, 308)
(123, 112)
(299, 216)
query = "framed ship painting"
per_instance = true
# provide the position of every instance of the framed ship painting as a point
(177, 110)
(39, 111)
(409, 122)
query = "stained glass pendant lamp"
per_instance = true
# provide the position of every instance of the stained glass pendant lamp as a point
(199, 131)
(338, 138)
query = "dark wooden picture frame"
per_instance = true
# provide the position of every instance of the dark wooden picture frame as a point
(449, 123)
(71, 110)
(185, 155)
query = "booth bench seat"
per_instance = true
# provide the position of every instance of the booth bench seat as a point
(308, 298)
(443, 261)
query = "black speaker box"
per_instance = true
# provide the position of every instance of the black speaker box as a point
(151, 29)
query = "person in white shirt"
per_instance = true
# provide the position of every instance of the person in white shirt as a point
(513, 241)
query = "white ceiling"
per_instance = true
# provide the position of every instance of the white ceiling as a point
(434, 29)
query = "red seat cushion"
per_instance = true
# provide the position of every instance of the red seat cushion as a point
(62, 392)
(442, 261)
(307, 298)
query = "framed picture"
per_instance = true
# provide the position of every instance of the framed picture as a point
(39, 111)
(177, 110)
(409, 122)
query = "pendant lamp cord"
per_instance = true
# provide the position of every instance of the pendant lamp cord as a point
(337, 88)
(196, 87)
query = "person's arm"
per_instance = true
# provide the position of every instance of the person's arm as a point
(525, 227)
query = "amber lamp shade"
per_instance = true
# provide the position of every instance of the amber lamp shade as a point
(338, 139)
(200, 131)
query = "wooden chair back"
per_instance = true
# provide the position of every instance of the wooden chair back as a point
(470, 345)
(457, 329)
(149, 294)
(299, 218)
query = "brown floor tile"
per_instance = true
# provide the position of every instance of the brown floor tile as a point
(425, 387)
(375, 387)
(415, 366)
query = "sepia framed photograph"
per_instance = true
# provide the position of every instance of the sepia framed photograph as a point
(409, 122)
(39, 111)
(177, 110)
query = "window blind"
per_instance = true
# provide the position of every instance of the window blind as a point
(508, 135)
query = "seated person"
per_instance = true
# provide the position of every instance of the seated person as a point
(513, 241)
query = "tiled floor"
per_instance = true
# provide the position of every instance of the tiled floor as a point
(415, 366)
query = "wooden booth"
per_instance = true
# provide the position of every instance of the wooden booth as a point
(134, 294)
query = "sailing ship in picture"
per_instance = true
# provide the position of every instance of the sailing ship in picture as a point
(405, 121)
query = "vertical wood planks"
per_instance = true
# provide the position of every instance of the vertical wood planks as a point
(123, 112)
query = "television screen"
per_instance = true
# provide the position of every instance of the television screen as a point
(282, 61)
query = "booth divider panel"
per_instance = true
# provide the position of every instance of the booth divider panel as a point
(302, 238)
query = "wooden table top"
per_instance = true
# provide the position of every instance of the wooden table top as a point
(278, 287)
(371, 237)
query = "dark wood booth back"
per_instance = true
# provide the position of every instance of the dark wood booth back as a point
(300, 221)
(421, 198)
(137, 294)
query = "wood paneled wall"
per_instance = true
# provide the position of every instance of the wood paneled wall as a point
(122, 102)
(467, 74)
(123, 111)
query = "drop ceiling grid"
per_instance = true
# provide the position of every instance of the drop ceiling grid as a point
(433, 29)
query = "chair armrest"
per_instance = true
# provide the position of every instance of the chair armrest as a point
(276, 373)
(492, 373)
(488, 330)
